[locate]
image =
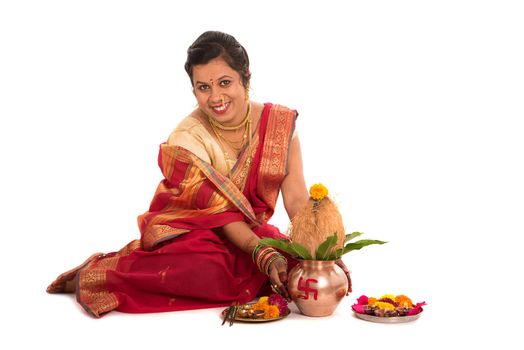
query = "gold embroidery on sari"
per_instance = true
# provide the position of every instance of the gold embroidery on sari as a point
(158, 233)
(240, 174)
(274, 155)
(92, 291)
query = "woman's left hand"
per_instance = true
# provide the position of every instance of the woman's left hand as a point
(278, 277)
(341, 264)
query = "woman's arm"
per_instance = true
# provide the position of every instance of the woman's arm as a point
(241, 235)
(294, 190)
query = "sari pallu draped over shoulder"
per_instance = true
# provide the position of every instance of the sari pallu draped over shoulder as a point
(181, 261)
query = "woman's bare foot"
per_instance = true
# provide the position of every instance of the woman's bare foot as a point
(66, 282)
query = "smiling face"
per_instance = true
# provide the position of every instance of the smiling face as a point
(219, 91)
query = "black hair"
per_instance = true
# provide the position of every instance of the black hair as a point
(213, 44)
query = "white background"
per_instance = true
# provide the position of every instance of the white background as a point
(410, 113)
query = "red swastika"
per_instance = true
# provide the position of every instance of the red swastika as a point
(304, 287)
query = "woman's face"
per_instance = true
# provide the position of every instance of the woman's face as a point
(219, 91)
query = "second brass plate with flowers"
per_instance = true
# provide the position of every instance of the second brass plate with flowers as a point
(378, 319)
(387, 309)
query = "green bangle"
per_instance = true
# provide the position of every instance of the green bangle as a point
(255, 252)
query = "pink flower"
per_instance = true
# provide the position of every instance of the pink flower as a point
(359, 309)
(280, 302)
(416, 309)
(363, 300)
(359, 306)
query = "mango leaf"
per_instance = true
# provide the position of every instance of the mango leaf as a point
(323, 250)
(293, 249)
(301, 251)
(352, 246)
(360, 244)
(350, 236)
(335, 255)
(279, 244)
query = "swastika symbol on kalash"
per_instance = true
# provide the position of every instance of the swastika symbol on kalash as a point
(305, 287)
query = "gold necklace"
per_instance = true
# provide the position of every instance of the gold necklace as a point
(235, 144)
(232, 128)
(247, 135)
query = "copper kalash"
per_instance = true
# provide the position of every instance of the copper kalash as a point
(317, 286)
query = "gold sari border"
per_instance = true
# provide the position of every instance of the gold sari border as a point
(275, 153)
(91, 290)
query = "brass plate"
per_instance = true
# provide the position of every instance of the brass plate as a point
(254, 320)
(398, 319)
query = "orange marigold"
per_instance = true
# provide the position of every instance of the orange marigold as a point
(261, 304)
(271, 312)
(372, 301)
(318, 192)
(403, 301)
(260, 307)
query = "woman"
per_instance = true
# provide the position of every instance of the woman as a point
(224, 166)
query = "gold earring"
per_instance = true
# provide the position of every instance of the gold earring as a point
(247, 94)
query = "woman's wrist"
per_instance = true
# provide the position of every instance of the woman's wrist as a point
(264, 256)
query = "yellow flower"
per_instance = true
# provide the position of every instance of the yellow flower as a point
(388, 296)
(263, 300)
(384, 306)
(271, 312)
(318, 192)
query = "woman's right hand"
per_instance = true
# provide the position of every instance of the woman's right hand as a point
(278, 277)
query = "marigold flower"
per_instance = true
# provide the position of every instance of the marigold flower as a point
(372, 301)
(318, 192)
(384, 306)
(271, 312)
(262, 304)
(403, 301)
(388, 296)
(263, 301)
(260, 307)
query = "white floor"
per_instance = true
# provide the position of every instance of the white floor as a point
(56, 319)
(456, 316)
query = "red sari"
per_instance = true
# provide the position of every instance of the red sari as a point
(181, 261)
